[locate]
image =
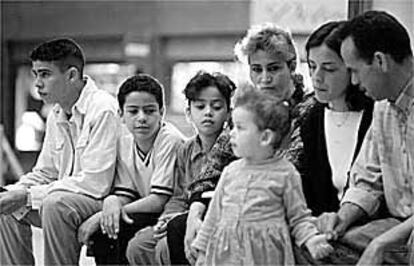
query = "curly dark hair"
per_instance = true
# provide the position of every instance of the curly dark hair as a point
(204, 79)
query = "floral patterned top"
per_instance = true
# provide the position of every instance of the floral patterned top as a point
(221, 153)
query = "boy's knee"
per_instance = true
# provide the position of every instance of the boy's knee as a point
(140, 249)
(56, 206)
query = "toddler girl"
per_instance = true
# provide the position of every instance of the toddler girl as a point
(258, 203)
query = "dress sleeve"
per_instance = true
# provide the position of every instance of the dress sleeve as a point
(298, 215)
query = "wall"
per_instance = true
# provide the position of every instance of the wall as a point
(402, 9)
(105, 28)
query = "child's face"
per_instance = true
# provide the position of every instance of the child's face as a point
(245, 135)
(142, 115)
(209, 111)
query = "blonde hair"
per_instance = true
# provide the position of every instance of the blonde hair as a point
(269, 38)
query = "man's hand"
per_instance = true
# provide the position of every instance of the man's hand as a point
(87, 228)
(12, 200)
(112, 212)
(330, 223)
(193, 226)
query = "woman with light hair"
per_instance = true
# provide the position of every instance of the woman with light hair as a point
(272, 58)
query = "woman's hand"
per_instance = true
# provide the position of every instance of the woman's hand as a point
(112, 212)
(87, 228)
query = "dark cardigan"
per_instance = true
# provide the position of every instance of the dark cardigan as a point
(320, 193)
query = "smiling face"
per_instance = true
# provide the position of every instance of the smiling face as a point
(271, 73)
(142, 116)
(368, 76)
(329, 75)
(245, 136)
(51, 84)
(209, 111)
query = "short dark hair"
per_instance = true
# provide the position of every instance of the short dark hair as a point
(329, 34)
(378, 31)
(270, 112)
(203, 79)
(144, 83)
(64, 52)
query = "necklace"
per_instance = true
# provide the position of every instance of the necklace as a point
(340, 118)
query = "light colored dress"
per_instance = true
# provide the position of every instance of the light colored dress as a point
(255, 210)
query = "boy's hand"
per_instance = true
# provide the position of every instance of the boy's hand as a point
(193, 226)
(319, 247)
(201, 259)
(112, 212)
(160, 229)
(87, 228)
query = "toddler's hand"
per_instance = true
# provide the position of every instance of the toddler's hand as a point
(319, 247)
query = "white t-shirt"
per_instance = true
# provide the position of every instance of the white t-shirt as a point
(341, 134)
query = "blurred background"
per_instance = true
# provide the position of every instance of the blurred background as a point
(168, 39)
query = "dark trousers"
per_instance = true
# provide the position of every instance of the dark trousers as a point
(175, 238)
(112, 251)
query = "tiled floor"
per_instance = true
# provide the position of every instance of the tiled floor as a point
(38, 250)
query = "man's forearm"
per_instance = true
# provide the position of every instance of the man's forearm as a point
(349, 213)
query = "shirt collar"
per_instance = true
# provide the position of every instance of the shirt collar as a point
(81, 104)
(197, 148)
(84, 98)
(406, 97)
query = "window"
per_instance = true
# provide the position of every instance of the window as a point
(31, 112)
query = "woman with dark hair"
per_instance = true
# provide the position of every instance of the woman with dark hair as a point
(334, 128)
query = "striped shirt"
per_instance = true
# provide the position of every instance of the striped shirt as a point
(385, 165)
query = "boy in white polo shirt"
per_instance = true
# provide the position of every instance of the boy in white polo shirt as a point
(144, 171)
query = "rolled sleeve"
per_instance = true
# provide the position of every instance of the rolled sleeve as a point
(366, 184)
